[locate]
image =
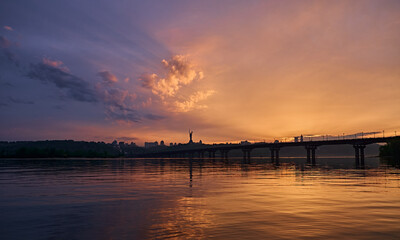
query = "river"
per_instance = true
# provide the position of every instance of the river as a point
(198, 199)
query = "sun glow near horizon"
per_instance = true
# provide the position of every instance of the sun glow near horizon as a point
(260, 70)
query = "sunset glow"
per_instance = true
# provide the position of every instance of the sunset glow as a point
(229, 70)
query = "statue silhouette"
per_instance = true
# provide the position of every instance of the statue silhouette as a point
(190, 135)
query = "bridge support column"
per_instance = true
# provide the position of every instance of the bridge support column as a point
(362, 154)
(311, 154)
(277, 156)
(308, 155)
(246, 153)
(224, 154)
(272, 155)
(357, 155)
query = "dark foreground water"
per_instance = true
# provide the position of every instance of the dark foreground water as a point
(198, 199)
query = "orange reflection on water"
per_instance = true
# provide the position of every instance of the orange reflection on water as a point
(199, 199)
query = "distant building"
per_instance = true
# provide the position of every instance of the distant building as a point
(301, 138)
(115, 142)
(296, 139)
(162, 143)
(245, 143)
(150, 144)
(200, 142)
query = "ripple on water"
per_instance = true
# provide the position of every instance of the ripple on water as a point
(201, 199)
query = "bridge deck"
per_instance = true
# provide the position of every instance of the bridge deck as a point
(226, 147)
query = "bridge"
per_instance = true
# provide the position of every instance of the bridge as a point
(190, 150)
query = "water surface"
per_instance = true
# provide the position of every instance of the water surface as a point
(198, 199)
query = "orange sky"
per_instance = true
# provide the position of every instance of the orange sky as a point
(282, 71)
(254, 70)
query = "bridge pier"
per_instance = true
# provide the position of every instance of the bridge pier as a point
(224, 154)
(272, 155)
(359, 154)
(311, 154)
(275, 155)
(211, 154)
(362, 147)
(246, 154)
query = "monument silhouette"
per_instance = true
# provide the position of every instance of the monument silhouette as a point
(190, 135)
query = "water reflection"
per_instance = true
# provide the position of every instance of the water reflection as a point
(198, 198)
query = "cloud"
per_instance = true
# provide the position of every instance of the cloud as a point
(122, 115)
(19, 101)
(108, 77)
(8, 28)
(127, 138)
(151, 116)
(11, 57)
(191, 102)
(363, 134)
(180, 72)
(75, 87)
(119, 104)
(12, 100)
(6, 84)
(55, 64)
(4, 42)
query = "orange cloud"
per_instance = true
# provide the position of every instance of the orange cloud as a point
(55, 64)
(108, 77)
(180, 72)
(8, 28)
(191, 102)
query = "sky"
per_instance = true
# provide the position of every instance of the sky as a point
(139, 71)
